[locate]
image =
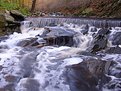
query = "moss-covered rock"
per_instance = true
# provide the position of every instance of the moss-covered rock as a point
(2, 18)
(10, 21)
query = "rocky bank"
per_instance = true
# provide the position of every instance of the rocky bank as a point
(10, 21)
(82, 8)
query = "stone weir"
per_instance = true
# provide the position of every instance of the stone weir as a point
(51, 21)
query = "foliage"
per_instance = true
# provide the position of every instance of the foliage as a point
(14, 6)
(87, 11)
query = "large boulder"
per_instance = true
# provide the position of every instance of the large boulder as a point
(59, 36)
(100, 40)
(88, 75)
(17, 15)
(10, 21)
(9, 18)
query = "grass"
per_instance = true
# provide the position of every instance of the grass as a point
(14, 6)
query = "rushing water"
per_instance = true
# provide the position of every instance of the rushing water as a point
(31, 68)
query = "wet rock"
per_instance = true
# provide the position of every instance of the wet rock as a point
(46, 31)
(94, 29)
(116, 39)
(2, 38)
(59, 36)
(10, 78)
(9, 87)
(100, 40)
(17, 15)
(87, 75)
(115, 70)
(56, 31)
(28, 42)
(1, 67)
(104, 31)
(60, 41)
(99, 43)
(113, 50)
(114, 85)
(85, 29)
(27, 62)
(52, 24)
(2, 89)
(86, 53)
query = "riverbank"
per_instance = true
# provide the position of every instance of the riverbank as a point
(81, 8)
(10, 21)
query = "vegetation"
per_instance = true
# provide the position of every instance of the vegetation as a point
(6, 4)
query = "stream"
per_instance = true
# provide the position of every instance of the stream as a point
(62, 54)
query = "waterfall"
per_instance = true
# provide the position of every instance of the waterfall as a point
(40, 22)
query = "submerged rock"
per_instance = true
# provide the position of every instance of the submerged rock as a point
(113, 50)
(27, 63)
(28, 42)
(9, 87)
(116, 39)
(28, 84)
(10, 78)
(93, 29)
(114, 85)
(115, 70)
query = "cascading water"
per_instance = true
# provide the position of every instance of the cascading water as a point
(40, 22)
(53, 58)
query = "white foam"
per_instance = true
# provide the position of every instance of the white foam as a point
(72, 61)
(50, 63)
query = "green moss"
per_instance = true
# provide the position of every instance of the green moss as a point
(7, 5)
(84, 12)
(87, 11)
(24, 11)
(14, 6)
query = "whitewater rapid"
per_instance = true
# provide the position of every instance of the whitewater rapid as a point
(43, 69)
